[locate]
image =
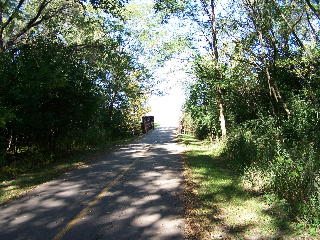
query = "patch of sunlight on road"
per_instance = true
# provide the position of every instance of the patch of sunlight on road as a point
(146, 199)
(146, 220)
(22, 219)
(52, 203)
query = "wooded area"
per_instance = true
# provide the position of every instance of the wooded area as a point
(256, 88)
(70, 79)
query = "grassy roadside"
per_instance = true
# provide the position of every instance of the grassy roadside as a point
(27, 179)
(218, 206)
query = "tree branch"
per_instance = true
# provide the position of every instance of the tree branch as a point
(314, 34)
(35, 20)
(5, 24)
(205, 8)
(291, 27)
(313, 9)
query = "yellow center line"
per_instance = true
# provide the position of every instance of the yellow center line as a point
(92, 203)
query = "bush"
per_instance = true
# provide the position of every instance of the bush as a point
(273, 163)
(241, 150)
(295, 178)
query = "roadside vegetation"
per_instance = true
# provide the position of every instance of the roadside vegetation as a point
(77, 74)
(75, 78)
(72, 86)
(24, 175)
(67, 82)
(256, 81)
(221, 205)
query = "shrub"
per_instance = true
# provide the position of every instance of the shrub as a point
(273, 163)
(241, 150)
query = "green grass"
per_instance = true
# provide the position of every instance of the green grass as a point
(220, 207)
(17, 180)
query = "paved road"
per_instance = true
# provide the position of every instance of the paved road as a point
(131, 193)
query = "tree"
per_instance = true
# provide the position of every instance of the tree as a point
(272, 68)
(69, 80)
(203, 14)
(19, 18)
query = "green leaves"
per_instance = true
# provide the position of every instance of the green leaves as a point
(211, 71)
(68, 73)
(170, 7)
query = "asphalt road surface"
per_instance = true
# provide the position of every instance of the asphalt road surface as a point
(131, 193)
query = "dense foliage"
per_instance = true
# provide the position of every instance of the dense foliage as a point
(70, 79)
(67, 77)
(268, 73)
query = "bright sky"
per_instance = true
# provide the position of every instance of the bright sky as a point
(167, 109)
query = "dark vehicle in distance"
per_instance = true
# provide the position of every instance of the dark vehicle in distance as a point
(147, 123)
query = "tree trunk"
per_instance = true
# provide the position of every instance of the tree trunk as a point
(215, 54)
(273, 89)
(221, 113)
(1, 23)
(214, 31)
(290, 27)
(10, 141)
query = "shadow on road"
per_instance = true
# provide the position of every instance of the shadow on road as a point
(144, 204)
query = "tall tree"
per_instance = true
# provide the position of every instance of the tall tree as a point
(203, 13)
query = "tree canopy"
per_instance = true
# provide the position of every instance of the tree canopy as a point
(77, 73)
(68, 79)
(261, 64)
